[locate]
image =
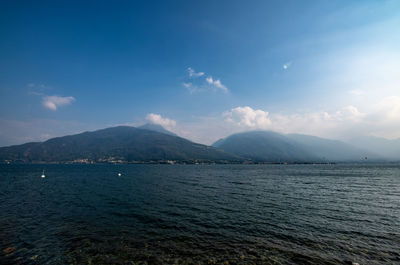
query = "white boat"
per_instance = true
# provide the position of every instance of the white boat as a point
(43, 176)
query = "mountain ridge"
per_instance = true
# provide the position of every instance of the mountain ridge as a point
(156, 128)
(382, 146)
(115, 144)
(269, 145)
(151, 143)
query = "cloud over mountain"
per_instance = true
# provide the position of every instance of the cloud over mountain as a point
(248, 118)
(158, 119)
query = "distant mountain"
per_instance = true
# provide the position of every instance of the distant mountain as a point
(152, 143)
(275, 147)
(265, 146)
(122, 143)
(156, 128)
(332, 150)
(389, 149)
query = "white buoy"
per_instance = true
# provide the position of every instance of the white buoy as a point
(43, 176)
(119, 174)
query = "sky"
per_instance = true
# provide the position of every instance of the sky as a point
(202, 69)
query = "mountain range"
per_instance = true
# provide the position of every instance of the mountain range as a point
(390, 149)
(116, 144)
(275, 147)
(152, 143)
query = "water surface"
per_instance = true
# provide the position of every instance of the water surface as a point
(200, 214)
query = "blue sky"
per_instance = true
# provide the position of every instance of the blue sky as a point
(203, 69)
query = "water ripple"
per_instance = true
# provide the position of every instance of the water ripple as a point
(162, 214)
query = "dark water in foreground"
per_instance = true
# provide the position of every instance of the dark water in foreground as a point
(219, 214)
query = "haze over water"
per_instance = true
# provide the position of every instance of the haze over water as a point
(190, 214)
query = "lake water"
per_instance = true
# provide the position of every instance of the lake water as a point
(200, 214)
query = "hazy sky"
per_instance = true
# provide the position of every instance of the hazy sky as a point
(203, 69)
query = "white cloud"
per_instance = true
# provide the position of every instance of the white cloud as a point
(53, 102)
(190, 87)
(203, 83)
(248, 118)
(382, 120)
(349, 113)
(187, 85)
(345, 121)
(216, 83)
(390, 108)
(38, 86)
(37, 89)
(286, 65)
(158, 119)
(192, 73)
